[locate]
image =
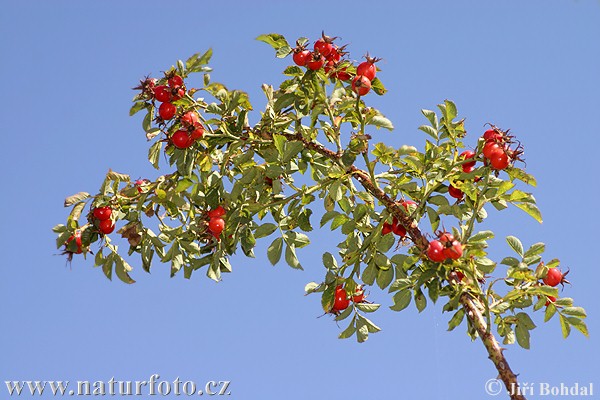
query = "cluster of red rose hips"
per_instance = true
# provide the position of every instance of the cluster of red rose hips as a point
(496, 149)
(216, 224)
(341, 299)
(396, 227)
(104, 222)
(190, 128)
(444, 247)
(328, 56)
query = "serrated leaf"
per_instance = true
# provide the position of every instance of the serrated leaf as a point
(183, 184)
(481, 236)
(456, 319)
(535, 249)
(401, 300)
(277, 41)
(154, 153)
(515, 244)
(279, 141)
(76, 198)
(122, 269)
(531, 209)
(329, 261)
(274, 251)
(522, 334)
(525, 321)
(265, 230)
(378, 87)
(574, 311)
(348, 332)
(550, 311)
(367, 307)
(579, 325)
(565, 326)
(311, 287)
(291, 258)
(381, 122)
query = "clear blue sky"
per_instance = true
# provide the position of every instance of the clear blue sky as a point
(67, 70)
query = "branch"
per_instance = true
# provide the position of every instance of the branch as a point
(471, 305)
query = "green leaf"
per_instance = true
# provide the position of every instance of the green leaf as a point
(401, 300)
(274, 251)
(378, 87)
(574, 311)
(515, 244)
(431, 117)
(535, 249)
(381, 122)
(456, 319)
(76, 198)
(420, 300)
(278, 42)
(522, 336)
(154, 153)
(362, 334)
(367, 307)
(311, 287)
(291, 258)
(531, 209)
(122, 268)
(348, 332)
(183, 184)
(265, 230)
(279, 141)
(481, 236)
(564, 325)
(550, 311)
(137, 106)
(579, 325)
(525, 320)
(329, 261)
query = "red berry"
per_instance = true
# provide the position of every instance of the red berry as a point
(162, 93)
(175, 81)
(553, 277)
(492, 135)
(454, 192)
(217, 212)
(190, 119)
(178, 93)
(454, 251)
(77, 237)
(367, 69)
(181, 139)
(197, 133)
(335, 55)
(301, 57)
(341, 301)
(500, 162)
(459, 275)
(398, 228)
(409, 206)
(216, 226)
(361, 85)
(342, 74)
(102, 213)
(551, 299)
(323, 46)
(315, 62)
(445, 238)
(387, 228)
(492, 150)
(106, 227)
(468, 166)
(359, 295)
(167, 111)
(435, 251)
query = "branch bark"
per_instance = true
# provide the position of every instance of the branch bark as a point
(471, 305)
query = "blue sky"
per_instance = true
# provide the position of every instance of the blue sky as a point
(68, 68)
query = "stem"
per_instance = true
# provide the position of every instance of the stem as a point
(471, 305)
